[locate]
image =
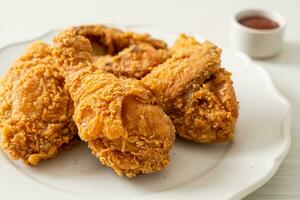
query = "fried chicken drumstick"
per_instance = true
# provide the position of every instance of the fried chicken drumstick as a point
(118, 118)
(35, 110)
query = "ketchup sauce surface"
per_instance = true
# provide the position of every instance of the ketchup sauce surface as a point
(258, 22)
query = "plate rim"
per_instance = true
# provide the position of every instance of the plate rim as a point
(285, 131)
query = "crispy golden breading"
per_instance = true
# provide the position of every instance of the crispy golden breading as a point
(136, 61)
(117, 117)
(195, 92)
(35, 110)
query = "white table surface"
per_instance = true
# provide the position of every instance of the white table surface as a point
(20, 20)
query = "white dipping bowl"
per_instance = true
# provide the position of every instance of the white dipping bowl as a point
(257, 43)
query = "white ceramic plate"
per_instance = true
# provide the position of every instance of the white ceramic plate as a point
(196, 171)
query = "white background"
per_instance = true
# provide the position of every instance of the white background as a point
(21, 20)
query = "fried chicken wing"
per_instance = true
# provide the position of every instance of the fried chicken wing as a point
(35, 110)
(112, 40)
(136, 61)
(126, 54)
(195, 92)
(118, 118)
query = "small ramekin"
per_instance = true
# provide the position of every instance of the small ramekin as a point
(257, 43)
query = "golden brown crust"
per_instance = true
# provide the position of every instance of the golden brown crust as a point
(187, 65)
(207, 113)
(35, 110)
(145, 146)
(123, 138)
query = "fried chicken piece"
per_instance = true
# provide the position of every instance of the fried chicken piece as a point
(136, 61)
(125, 54)
(195, 92)
(35, 110)
(118, 118)
(110, 41)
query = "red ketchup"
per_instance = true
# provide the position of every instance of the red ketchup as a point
(258, 22)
